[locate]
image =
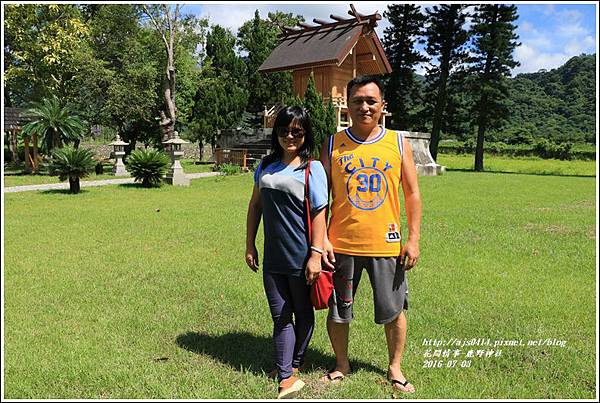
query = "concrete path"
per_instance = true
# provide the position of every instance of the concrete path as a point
(65, 185)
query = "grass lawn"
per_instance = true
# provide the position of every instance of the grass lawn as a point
(14, 177)
(519, 165)
(123, 292)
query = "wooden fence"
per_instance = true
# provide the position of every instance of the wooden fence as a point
(237, 156)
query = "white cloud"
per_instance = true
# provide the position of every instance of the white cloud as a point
(540, 42)
(543, 46)
(526, 26)
(562, 36)
(549, 9)
(233, 16)
(533, 60)
(590, 43)
(571, 30)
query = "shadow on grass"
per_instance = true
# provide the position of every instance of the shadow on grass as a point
(138, 185)
(23, 174)
(255, 353)
(63, 191)
(520, 173)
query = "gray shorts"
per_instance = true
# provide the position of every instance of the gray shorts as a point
(388, 281)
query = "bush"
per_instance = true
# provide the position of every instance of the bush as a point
(148, 166)
(255, 165)
(546, 149)
(469, 146)
(73, 164)
(541, 148)
(230, 169)
(99, 168)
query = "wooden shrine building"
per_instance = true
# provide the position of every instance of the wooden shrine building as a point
(334, 52)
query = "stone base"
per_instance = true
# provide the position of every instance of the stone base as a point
(430, 169)
(119, 170)
(419, 143)
(177, 180)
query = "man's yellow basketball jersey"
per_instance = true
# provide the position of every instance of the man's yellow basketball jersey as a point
(365, 180)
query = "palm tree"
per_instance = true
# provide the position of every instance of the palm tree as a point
(71, 163)
(55, 123)
(148, 166)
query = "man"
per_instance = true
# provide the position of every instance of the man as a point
(366, 165)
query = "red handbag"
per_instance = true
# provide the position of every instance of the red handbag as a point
(322, 288)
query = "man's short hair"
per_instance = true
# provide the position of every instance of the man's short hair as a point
(364, 80)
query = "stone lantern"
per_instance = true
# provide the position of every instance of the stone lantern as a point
(176, 176)
(119, 152)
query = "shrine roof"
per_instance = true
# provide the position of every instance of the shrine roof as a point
(324, 44)
(15, 118)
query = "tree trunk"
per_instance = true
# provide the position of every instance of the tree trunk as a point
(56, 140)
(74, 186)
(482, 118)
(169, 93)
(200, 149)
(440, 106)
(27, 155)
(13, 146)
(131, 147)
(168, 32)
(170, 79)
(36, 155)
(481, 123)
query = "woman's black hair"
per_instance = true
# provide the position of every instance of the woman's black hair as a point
(286, 116)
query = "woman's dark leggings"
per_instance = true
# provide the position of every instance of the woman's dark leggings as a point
(289, 295)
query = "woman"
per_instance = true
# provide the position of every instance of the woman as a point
(290, 264)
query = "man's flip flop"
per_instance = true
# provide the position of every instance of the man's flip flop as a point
(334, 379)
(403, 384)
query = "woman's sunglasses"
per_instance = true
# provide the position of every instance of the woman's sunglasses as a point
(296, 132)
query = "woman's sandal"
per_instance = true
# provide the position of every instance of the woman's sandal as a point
(273, 374)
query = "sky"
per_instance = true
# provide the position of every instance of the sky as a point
(550, 33)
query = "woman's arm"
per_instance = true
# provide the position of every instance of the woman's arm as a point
(252, 222)
(313, 266)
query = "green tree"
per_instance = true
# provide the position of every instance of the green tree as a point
(322, 116)
(221, 99)
(55, 123)
(41, 42)
(494, 43)
(402, 87)
(330, 120)
(120, 85)
(446, 41)
(258, 38)
(187, 59)
(210, 100)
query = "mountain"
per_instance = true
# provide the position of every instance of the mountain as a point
(559, 104)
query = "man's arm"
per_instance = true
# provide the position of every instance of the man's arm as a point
(412, 201)
(328, 256)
